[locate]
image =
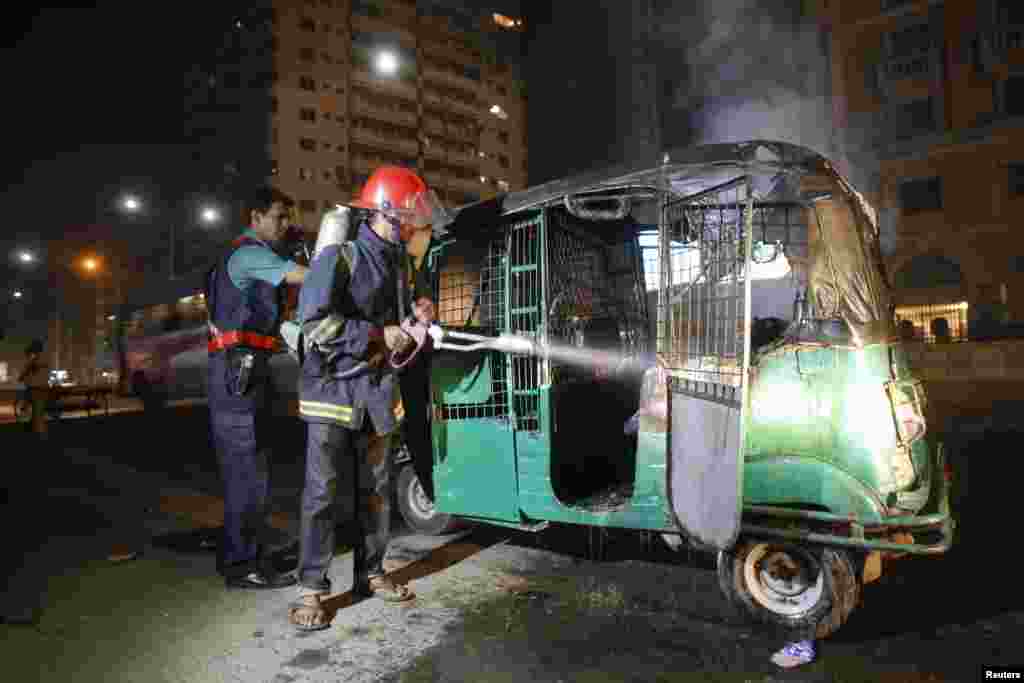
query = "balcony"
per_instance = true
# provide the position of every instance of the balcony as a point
(365, 164)
(437, 100)
(362, 107)
(461, 185)
(391, 26)
(433, 126)
(393, 86)
(370, 138)
(450, 78)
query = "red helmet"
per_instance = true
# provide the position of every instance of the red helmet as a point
(400, 193)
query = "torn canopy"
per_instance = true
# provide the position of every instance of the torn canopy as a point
(846, 273)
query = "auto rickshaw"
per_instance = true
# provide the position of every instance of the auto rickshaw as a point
(754, 401)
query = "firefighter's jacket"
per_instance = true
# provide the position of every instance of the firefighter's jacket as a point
(241, 323)
(354, 289)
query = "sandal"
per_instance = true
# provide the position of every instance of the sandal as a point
(384, 588)
(308, 614)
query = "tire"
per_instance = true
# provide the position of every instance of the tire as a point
(417, 510)
(801, 589)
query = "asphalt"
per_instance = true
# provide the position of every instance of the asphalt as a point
(93, 590)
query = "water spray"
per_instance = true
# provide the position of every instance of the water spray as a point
(449, 340)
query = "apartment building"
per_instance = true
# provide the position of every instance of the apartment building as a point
(932, 93)
(322, 92)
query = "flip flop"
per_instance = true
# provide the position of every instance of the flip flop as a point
(300, 605)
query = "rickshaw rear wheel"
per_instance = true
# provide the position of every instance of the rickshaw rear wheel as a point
(417, 509)
(803, 589)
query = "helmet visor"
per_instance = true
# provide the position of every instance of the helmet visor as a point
(420, 210)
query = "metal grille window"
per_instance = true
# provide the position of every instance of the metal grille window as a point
(525, 317)
(470, 292)
(702, 295)
(919, 322)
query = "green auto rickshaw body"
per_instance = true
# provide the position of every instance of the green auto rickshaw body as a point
(834, 448)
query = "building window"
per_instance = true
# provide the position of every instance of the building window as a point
(307, 144)
(925, 323)
(1013, 96)
(274, 169)
(326, 146)
(921, 195)
(507, 22)
(499, 112)
(307, 83)
(1016, 174)
(366, 8)
(305, 174)
(327, 176)
(273, 105)
(307, 54)
(503, 160)
(503, 185)
(503, 136)
(308, 205)
(307, 24)
(308, 114)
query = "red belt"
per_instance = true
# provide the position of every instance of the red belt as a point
(253, 340)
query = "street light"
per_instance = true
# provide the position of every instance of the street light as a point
(210, 215)
(17, 294)
(387, 63)
(26, 257)
(131, 203)
(90, 264)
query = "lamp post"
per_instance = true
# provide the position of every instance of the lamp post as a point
(208, 215)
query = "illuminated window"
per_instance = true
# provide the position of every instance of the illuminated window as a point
(924, 323)
(499, 112)
(307, 83)
(507, 22)
(503, 185)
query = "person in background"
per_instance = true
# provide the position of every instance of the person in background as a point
(36, 378)
(244, 295)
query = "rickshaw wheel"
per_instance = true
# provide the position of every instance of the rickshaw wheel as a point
(418, 510)
(804, 589)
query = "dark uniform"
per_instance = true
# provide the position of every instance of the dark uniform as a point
(243, 333)
(352, 408)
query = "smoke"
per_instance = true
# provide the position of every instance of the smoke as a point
(736, 70)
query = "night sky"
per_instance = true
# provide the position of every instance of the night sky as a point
(94, 103)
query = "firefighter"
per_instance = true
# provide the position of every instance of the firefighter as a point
(243, 295)
(349, 308)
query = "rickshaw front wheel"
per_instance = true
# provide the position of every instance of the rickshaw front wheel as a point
(417, 509)
(805, 589)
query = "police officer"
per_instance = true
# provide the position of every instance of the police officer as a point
(244, 298)
(348, 394)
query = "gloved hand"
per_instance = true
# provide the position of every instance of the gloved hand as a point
(396, 339)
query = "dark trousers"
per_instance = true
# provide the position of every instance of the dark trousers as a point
(244, 465)
(415, 383)
(343, 462)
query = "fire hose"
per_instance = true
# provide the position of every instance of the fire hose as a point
(427, 338)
